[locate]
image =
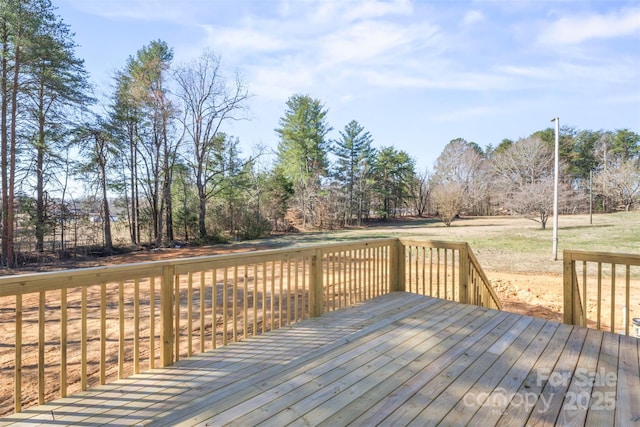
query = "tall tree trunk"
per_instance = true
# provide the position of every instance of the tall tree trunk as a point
(133, 151)
(4, 134)
(12, 151)
(168, 207)
(40, 205)
(108, 243)
(202, 211)
(101, 149)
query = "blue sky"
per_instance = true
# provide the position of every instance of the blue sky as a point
(415, 74)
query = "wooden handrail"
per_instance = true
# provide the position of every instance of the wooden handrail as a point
(593, 278)
(486, 284)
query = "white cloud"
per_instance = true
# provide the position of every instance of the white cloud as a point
(243, 39)
(143, 10)
(280, 81)
(368, 9)
(440, 80)
(466, 113)
(577, 29)
(364, 41)
(472, 17)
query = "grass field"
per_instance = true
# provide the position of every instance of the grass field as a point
(508, 244)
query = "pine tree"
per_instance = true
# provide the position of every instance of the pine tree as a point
(302, 150)
(354, 156)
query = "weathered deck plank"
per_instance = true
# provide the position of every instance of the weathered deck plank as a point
(398, 359)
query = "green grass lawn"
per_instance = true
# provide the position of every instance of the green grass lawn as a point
(511, 244)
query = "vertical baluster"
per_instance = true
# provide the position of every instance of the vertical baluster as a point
(64, 318)
(83, 339)
(245, 301)
(424, 270)
(367, 272)
(41, 342)
(121, 341)
(453, 275)
(430, 271)
(613, 297)
(348, 274)
(627, 298)
(255, 299)
(281, 294)
(152, 322)
(341, 290)
(296, 313)
(288, 299)
(177, 316)
(264, 297)
(103, 333)
(584, 294)
(203, 310)
(189, 314)
(273, 293)
(17, 384)
(376, 260)
(333, 280)
(136, 326)
(304, 297)
(438, 271)
(214, 307)
(234, 303)
(225, 303)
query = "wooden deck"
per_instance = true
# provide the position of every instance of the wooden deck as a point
(399, 359)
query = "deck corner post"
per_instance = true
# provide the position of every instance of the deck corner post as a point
(315, 284)
(167, 334)
(463, 271)
(397, 270)
(568, 287)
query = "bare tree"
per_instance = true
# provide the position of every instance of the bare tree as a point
(621, 183)
(463, 163)
(448, 199)
(421, 192)
(208, 101)
(523, 179)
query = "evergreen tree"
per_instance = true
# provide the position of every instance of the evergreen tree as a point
(393, 172)
(354, 153)
(302, 150)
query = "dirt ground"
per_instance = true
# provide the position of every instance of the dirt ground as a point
(532, 294)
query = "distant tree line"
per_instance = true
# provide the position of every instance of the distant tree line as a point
(597, 169)
(154, 156)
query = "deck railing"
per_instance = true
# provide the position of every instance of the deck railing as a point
(70, 330)
(447, 270)
(602, 290)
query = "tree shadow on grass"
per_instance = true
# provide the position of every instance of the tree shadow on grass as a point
(585, 227)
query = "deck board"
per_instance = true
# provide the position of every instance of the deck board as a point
(399, 359)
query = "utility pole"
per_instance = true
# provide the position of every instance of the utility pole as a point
(555, 190)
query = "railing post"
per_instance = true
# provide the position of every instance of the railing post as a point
(397, 267)
(315, 284)
(463, 271)
(567, 280)
(167, 334)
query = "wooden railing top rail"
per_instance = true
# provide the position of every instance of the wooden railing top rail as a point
(434, 243)
(608, 287)
(46, 281)
(603, 257)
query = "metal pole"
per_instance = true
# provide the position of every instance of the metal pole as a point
(555, 190)
(590, 197)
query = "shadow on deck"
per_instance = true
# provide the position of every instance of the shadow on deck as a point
(400, 359)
